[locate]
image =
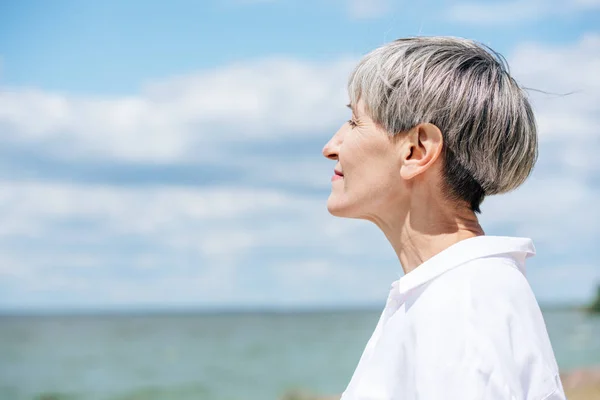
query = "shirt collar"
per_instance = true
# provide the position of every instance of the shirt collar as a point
(462, 252)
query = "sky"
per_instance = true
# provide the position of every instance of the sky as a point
(168, 154)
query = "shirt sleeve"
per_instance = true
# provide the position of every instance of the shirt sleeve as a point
(492, 345)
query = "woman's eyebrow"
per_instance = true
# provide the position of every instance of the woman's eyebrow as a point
(350, 107)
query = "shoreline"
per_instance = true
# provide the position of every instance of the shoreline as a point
(582, 383)
(579, 384)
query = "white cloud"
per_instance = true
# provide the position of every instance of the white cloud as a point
(552, 210)
(571, 122)
(201, 240)
(31, 209)
(515, 11)
(553, 206)
(185, 118)
(357, 9)
(244, 2)
(569, 282)
(366, 9)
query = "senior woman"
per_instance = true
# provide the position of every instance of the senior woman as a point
(437, 124)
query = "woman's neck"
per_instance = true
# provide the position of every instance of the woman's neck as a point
(425, 231)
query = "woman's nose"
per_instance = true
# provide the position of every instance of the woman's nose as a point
(329, 152)
(331, 149)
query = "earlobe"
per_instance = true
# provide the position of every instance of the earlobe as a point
(408, 171)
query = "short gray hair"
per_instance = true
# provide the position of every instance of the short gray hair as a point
(465, 89)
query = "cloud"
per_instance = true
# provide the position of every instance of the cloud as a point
(31, 210)
(251, 2)
(357, 9)
(109, 245)
(571, 121)
(568, 282)
(264, 236)
(551, 209)
(188, 118)
(517, 11)
(553, 205)
(367, 9)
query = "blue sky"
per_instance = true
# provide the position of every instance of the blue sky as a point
(167, 154)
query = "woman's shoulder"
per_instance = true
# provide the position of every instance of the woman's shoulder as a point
(492, 286)
(499, 275)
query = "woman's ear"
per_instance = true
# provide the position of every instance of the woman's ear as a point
(421, 148)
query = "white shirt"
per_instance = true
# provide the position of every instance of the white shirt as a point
(464, 325)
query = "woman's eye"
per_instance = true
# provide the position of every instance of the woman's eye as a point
(352, 123)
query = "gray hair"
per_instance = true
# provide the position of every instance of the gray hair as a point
(465, 89)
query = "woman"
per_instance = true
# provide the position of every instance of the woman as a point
(437, 124)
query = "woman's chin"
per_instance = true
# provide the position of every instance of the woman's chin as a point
(337, 207)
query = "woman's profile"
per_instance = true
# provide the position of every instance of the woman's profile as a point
(437, 124)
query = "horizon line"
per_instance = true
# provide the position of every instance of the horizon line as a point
(222, 310)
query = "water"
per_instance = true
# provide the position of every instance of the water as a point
(216, 357)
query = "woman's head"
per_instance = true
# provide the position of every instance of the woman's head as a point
(435, 117)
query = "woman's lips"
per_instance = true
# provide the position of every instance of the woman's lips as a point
(337, 176)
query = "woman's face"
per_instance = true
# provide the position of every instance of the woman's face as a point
(367, 177)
